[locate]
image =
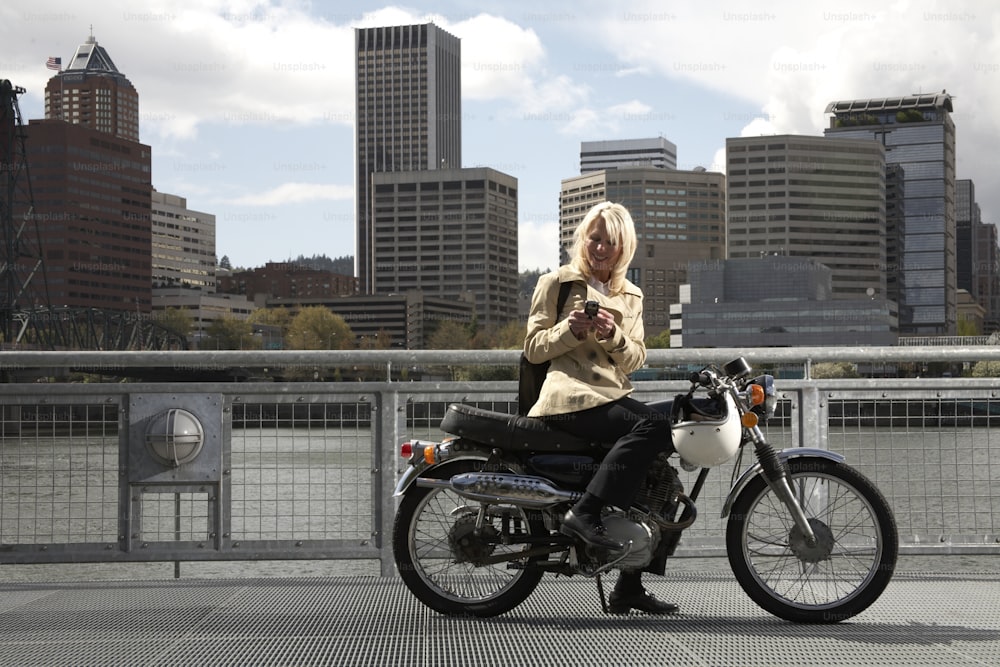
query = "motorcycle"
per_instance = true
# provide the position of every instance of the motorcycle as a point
(809, 538)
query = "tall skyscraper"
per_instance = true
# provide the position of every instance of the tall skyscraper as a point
(968, 216)
(92, 92)
(811, 197)
(92, 187)
(615, 153)
(919, 135)
(987, 285)
(976, 254)
(408, 115)
(680, 216)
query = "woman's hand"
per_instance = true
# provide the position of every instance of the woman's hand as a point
(581, 324)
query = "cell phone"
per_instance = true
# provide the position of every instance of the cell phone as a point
(591, 308)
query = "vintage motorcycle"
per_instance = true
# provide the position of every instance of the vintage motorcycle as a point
(809, 538)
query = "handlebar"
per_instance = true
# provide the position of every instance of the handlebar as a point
(701, 378)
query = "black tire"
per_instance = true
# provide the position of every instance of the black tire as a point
(827, 583)
(427, 562)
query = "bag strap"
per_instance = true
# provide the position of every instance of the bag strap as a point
(564, 289)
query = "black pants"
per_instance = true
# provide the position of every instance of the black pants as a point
(639, 432)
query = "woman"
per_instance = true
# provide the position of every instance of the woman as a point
(586, 390)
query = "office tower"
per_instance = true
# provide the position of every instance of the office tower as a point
(976, 253)
(92, 187)
(92, 196)
(967, 217)
(918, 134)
(679, 216)
(183, 242)
(613, 154)
(92, 92)
(408, 114)
(448, 232)
(987, 275)
(811, 197)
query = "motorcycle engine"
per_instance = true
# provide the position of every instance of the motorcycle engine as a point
(643, 535)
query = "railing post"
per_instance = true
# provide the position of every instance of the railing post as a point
(391, 426)
(813, 420)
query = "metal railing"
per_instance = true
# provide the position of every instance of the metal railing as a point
(253, 471)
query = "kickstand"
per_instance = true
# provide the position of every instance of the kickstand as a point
(600, 592)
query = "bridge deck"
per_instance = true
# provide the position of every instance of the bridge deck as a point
(924, 618)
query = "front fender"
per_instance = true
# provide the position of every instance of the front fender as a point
(783, 455)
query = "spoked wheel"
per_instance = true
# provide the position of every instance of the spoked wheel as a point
(840, 575)
(441, 555)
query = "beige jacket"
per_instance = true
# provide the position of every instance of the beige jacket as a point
(582, 374)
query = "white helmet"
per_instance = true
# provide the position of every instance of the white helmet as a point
(709, 442)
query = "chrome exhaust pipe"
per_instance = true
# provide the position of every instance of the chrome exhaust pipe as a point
(489, 487)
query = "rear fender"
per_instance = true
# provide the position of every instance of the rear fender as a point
(783, 455)
(440, 455)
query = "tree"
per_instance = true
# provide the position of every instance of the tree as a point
(229, 333)
(275, 317)
(224, 263)
(986, 369)
(833, 369)
(449, 335)
(967, 328)
(659, 341)
(318, 328)
(510, 336)
(176, 320)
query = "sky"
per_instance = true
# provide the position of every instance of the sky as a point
(249, 106)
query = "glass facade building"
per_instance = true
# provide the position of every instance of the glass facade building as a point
(919, 135)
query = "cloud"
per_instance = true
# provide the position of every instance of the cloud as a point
(791, 59)
(500, 59)
(537, 245)
(237, 62)
(295, 193)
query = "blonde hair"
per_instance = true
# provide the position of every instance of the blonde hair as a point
(621, 232)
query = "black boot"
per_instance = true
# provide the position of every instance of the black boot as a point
(629, 594)
(583, 521)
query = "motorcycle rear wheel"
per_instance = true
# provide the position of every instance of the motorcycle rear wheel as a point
(427, 525)
(828, 582)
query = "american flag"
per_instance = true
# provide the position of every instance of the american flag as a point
(54, 63)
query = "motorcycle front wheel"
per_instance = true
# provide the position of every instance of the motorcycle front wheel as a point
(840, 575)
(439, 551)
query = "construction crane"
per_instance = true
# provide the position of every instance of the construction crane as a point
(22, 272)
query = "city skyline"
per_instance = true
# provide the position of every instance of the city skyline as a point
(249, 113)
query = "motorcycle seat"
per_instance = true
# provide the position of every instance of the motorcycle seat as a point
(512, 432)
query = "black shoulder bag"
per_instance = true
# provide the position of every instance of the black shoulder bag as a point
(531, 376)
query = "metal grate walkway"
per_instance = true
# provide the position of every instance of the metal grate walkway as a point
(922, 619)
